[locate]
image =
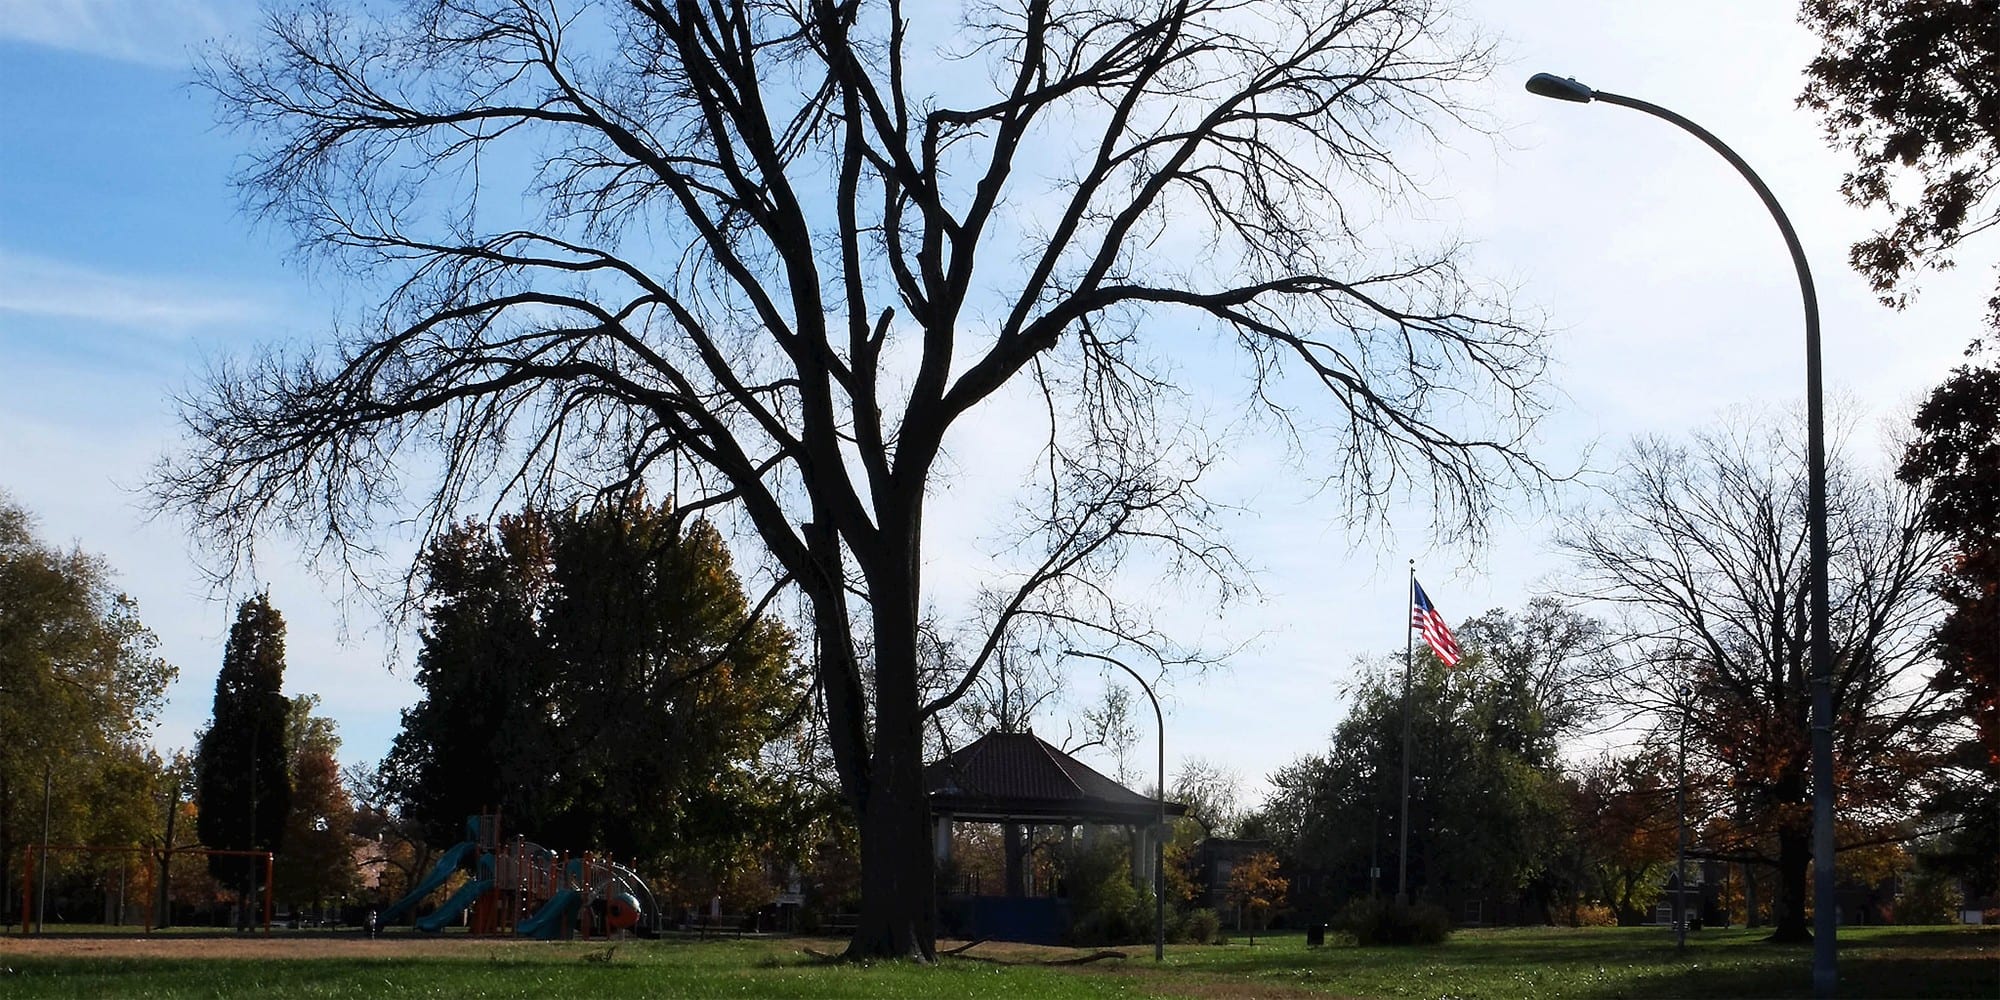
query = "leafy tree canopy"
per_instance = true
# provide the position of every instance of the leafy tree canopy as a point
(80, 688)
(317, 863)
(1485, 807)
(599, 676)
(1912, 89)
(1957, 457)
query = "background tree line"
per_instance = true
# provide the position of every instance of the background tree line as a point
(824, 307)
(1698, 551)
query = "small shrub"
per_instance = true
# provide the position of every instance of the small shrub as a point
(1596, 915)
(1383, 922)
(1201, 926)
(1107, 908)
(1929, 897)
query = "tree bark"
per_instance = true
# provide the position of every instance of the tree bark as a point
(7, 847)
(1750, 916)
(898, 874)
(1789, 907)
(898, 870)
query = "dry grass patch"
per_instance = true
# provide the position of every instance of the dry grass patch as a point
(259, 946)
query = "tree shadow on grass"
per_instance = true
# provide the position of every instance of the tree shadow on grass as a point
(1915, 964)
(1900, 978)
(1919, 962)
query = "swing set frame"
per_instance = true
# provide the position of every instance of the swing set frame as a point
(159, 859)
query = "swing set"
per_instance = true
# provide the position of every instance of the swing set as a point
(155, 862)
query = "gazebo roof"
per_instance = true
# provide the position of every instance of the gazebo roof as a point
(1017, 777)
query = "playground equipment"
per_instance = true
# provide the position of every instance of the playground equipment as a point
(526, 888)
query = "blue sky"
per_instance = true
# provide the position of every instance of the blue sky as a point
(126, 266)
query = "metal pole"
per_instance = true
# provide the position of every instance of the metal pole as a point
(42, 894)
(1375, 836)
(268, 880)
(1825, 916)
(1160, 846)
(167, 858)
(1403, 814)
(1159, 836)
(1681, 837)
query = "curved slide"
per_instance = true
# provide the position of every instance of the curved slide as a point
(439, 918)
(446, 865)
(548, 922)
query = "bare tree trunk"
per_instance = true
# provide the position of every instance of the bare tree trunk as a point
(1014, 846)
(1788, 909)
(1750, 915)
(898, 870)
(6, 848)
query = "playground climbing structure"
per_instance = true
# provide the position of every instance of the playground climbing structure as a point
(520, 887)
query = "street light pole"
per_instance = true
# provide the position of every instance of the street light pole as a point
(1825, 917)
(1681, 842)
(1160, 831)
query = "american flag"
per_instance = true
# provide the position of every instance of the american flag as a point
(1425, 618)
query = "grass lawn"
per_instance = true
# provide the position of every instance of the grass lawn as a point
(1638, 962)
(1523, 963)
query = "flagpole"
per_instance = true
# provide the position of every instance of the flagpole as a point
(1403, 814)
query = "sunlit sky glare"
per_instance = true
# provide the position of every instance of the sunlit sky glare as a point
(126, 268)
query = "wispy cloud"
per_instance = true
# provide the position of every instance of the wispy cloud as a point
(34, 286)
(151, 32)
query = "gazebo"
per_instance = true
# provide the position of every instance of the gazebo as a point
(1018, 778)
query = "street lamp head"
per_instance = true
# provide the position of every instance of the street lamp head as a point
(1560, 88)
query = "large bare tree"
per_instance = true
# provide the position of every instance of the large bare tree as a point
(1703, 546)
(783, 248)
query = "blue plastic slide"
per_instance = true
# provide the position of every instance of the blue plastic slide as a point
(445, 866)
(548, 922)
(443, 915)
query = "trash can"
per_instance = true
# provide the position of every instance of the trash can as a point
(1315, 935)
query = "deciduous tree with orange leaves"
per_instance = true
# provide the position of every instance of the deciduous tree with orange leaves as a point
(1256, 889)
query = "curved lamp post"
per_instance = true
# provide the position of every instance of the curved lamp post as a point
(1160, 832)
(1824, 914)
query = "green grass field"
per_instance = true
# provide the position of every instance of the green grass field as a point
(1523, 963)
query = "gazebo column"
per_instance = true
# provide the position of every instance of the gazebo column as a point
(1142, 856)
(941, 837)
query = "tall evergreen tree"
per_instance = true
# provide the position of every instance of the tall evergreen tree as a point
(243, 785)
